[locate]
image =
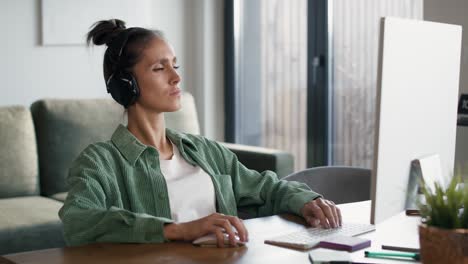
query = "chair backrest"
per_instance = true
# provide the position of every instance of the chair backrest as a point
(18, 153)
(64, 127)
(340, 184)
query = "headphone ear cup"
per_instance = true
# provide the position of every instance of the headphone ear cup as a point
(123, 88)
(134, 89)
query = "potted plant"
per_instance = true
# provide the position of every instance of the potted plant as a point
(443, 234)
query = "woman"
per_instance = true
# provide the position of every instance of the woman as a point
(150, 184)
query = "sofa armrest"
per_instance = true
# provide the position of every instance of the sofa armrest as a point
(261, 159)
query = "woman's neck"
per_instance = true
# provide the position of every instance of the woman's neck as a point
(150, 129)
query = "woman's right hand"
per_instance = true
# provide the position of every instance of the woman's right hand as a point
(215, 223)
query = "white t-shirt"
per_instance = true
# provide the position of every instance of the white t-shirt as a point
(190, 189)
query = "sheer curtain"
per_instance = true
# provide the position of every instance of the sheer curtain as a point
(271, 75)
(353, 58)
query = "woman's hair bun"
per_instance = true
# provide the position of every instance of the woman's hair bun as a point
(104, 31)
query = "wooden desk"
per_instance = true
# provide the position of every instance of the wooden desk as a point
(402, 228)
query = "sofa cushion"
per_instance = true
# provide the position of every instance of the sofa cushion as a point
(64, 127)
(185, 120)
(18, 153)
(60, 196)
(29, 223)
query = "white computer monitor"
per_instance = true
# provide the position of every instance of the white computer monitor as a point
(416, 113)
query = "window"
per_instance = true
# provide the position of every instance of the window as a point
(301, 76)
(269, 87)
(353, 59)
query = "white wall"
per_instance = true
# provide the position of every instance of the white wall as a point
(30, 71)
(210, 72)
(198, 41)
(454, 12)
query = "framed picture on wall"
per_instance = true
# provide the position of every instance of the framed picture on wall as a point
(66, 22)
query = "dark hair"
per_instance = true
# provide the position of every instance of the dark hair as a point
(124, 45)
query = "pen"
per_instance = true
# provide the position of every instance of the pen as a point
(369, 254)
(337, 262)
(405, 249)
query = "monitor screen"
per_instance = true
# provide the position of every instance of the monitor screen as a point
(417, 97)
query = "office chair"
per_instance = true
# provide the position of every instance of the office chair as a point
(340, 184)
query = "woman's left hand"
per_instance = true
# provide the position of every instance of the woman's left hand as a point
(322, 212)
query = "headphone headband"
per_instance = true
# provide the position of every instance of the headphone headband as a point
(121, 84)
(119, 43)
(126, 35)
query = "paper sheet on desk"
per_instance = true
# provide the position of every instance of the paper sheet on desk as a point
(399, 230)
(431, 170)
(427, 169)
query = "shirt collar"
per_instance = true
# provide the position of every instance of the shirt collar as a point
(131, 148)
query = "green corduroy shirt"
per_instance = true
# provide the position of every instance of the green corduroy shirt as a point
(117, 192)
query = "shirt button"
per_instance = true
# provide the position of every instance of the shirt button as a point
(161, 196)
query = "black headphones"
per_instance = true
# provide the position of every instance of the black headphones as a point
(122, 85)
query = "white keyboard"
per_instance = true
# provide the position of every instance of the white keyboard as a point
(310, 237)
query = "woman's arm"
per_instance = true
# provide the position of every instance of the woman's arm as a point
(88, 217)
(262, 191)
(268, 195)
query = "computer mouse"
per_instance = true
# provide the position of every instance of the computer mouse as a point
(210, 240)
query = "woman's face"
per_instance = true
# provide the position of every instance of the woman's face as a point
(157, 78)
